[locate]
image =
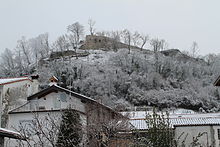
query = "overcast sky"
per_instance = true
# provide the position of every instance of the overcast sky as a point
(180, 22)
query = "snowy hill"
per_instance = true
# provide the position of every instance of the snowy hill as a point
(120, 78)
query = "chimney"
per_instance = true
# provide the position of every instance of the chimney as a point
(53, 80)
(34, 87)
(34, 77)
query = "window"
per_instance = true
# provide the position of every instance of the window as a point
(41, 108)
(218, 133)
(63, 97)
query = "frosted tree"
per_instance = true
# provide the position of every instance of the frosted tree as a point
(61, 44)
(116, 37)
(156, 45)
(127, 37)
(159, 133)
(77, 31)
(136, 38)
(91, 24)
(194, 49)
(8, 63)
(144, 39)
(22, 45)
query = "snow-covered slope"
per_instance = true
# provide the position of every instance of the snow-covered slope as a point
(119, 78)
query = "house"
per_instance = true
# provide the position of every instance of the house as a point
(52, 102)
(12, 93)
(186, 126)
(9, 134)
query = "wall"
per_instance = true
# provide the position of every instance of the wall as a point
(24, 120)
(13, 95)
(189, 132)
(93, 114)
(98, 119)
(217, 141)
(1, 91)
(16, 119)
(102, 42)
(54, 101)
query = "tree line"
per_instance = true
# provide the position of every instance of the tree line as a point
(24, 58)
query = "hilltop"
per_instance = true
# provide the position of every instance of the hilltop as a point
(115, 68)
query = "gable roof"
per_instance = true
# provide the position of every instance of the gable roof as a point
(4, 81)
(56, 88)
(10, 134)
(217, 82)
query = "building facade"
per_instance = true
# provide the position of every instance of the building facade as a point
(51, 103)
(187, 127)
(13, 92)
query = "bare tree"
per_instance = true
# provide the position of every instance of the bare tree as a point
(23, 45)
(91, 24)
(41, 130)
(102, 132)
(194, 49)
(61, 44)
(8, 61)
(156, 45)
(136, 38)
(127, 36)
(144, 39)
(45, 46)
(163, 44)
(210, 58)
(115, 35)
(19, 60)
(77, 31)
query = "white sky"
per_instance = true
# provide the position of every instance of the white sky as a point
(180, 22)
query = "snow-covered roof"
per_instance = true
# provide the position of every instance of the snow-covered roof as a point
(136, 114)
(141, 124)
(173, 113)
(4, 81)
(11, 134)
(138, 121)
(195, 121)
(182, 111)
